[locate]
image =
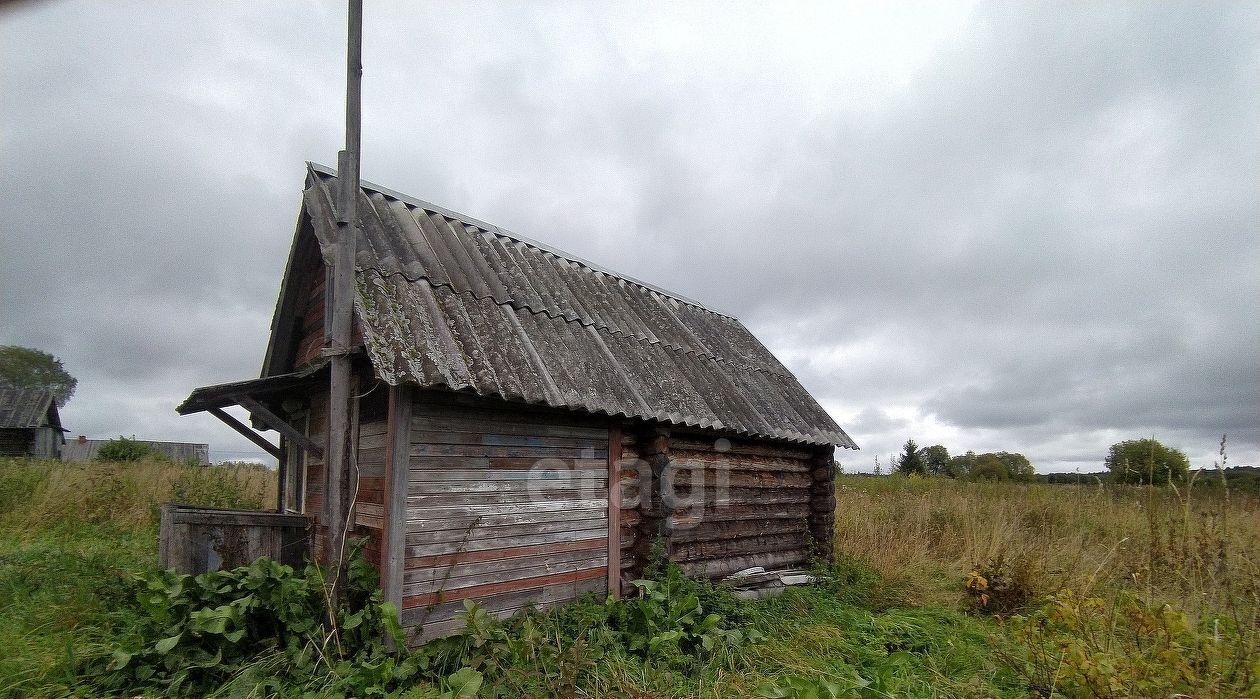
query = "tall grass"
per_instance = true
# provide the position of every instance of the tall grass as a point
(1102, 591)
(71, 535)
(1107, 591)
(927, 534)
(37, 495)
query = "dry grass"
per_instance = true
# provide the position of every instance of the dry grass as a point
(1197, 550)
(125, 495)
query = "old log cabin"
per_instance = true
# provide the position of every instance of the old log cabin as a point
(502, 385)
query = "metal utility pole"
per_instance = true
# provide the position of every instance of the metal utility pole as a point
(338, 463)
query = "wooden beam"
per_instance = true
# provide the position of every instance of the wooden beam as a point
(614, 511)
(246, 432)
(279, 424)
(397, 446)
(339, 454)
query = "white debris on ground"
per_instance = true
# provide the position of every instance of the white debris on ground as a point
(758, 583)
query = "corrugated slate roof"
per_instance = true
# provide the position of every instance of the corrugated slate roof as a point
(24, 408)
(449, 301)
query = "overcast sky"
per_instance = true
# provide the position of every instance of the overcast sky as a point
(1029, 227)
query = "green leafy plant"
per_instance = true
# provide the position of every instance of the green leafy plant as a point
(125, 449)
(195, 635)
(797, 687)
(464, 683)
(667, 620)
(24, 367)
(1126, 646)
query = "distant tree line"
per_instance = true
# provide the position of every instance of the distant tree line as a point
(989, 466)
(1133, 461)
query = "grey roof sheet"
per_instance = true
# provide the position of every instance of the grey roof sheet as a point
(446, 300)
(22, 408)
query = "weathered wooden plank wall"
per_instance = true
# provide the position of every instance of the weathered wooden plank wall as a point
(197, 540)
(369, 497)
(309, 311)
(317, 430)
(504, 505)
(309, 314)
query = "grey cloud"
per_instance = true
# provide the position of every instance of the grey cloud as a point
(1040, 237)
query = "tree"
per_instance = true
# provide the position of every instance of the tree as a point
(989, 467)
(960, 466)
(1018, 467)
(910, 461)
(22, 367)
(935, 459)
(1146, 461)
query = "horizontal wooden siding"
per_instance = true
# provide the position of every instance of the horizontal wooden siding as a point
(505, 506)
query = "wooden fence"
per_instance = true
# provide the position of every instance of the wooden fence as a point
(197, 540)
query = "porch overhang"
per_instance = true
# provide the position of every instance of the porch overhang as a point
(260, 397)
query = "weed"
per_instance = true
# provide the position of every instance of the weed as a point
(1002, 586)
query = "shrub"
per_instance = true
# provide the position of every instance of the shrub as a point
(1002, 586)
(124, 449)
(1127, 646)
(1146, 461)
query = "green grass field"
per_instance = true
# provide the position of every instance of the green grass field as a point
(942, 589)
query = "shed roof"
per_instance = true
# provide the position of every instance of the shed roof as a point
(26, 408)
(445, 300)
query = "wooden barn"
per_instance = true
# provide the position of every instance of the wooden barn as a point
(29, 423)
(500, 387)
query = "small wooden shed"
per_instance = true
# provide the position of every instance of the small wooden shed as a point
(502, 386)
(29, 423)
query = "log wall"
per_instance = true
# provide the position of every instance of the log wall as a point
(505, 506)
(719, 505)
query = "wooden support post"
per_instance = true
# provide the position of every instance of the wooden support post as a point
(168, 540)
(397, 460)
(337, 463)
(245, 431)
(614, 511)
(282, 475)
